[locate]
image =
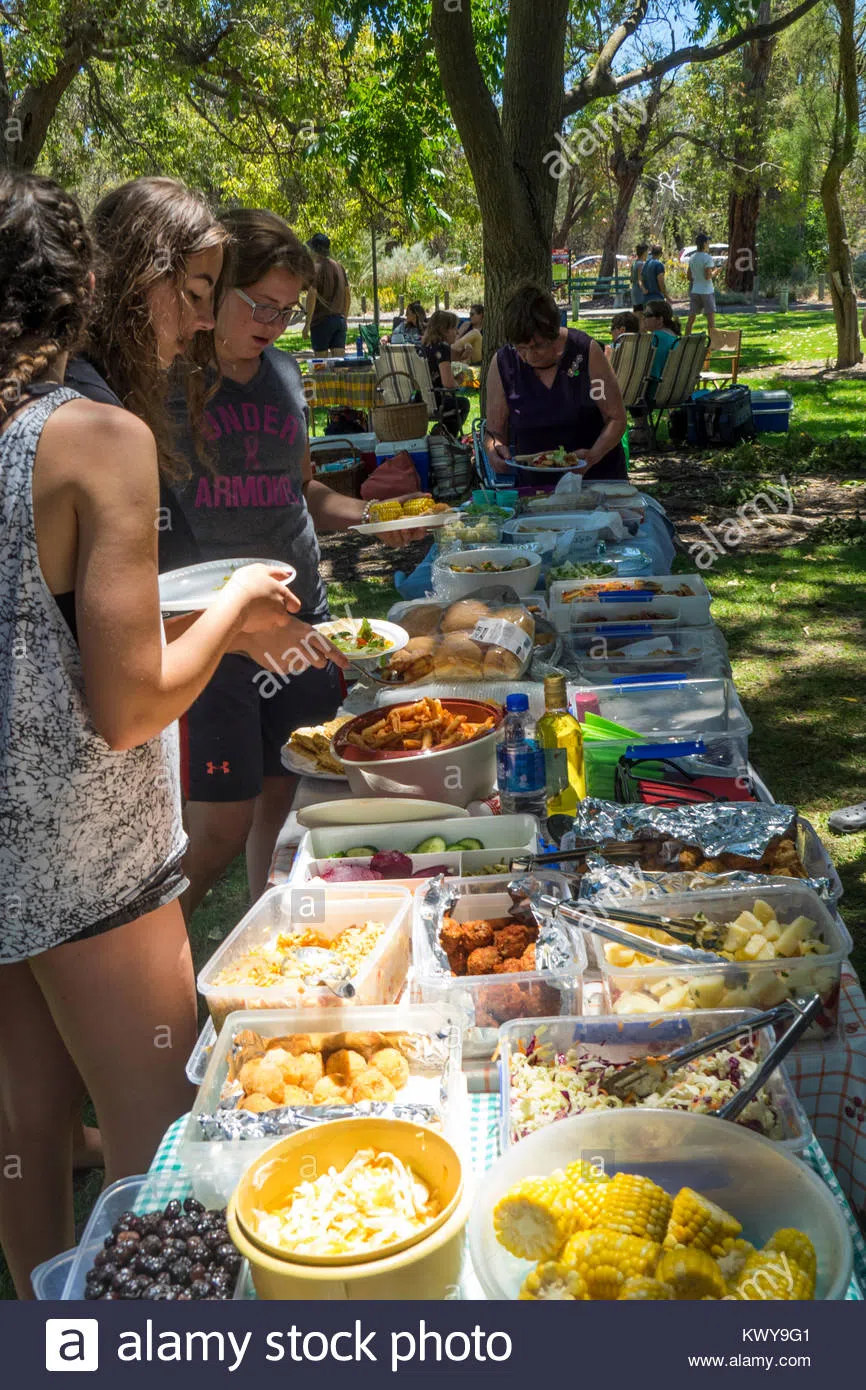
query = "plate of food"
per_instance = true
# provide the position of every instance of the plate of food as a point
(364, 639)
(198, 586)
(307, 752)
(417, 514)
(559, 460)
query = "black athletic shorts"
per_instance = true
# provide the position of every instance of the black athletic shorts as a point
(231, 737)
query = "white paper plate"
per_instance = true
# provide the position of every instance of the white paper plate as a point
(197, 586)
(407, 523)
(374, 810)
(305, 765)
(397, 636)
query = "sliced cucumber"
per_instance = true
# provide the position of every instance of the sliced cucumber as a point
(338, 854)
(434, 844)
(471, 844)
(361, 852)
(456, 848)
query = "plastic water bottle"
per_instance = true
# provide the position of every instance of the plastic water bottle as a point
(359, 346)
(520, 763)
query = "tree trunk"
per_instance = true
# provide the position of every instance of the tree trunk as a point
(569, 208)
(516, 188)
(627, 174)
(845, 133)
(744, 197)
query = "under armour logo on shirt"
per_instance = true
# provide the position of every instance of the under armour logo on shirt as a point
(217, 767)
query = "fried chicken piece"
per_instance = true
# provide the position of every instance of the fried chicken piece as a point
(483, 961)
(476, 935)
(738, 861)
(453, 944)
(370, 1084)
(511, 966)
(393, 1066)
(690, 858)
(511, 941)
(710, 866)
(527, 960)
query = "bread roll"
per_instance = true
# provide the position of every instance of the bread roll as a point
(514, 613)
(457, 658)
(422, 621)
(415, 661)
(462, 616)
(500, 664)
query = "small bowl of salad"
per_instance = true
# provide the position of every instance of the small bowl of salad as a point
(364, 639)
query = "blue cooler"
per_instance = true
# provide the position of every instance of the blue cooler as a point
(771, 411)
(417, 449)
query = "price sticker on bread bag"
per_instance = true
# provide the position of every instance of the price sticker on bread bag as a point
(499, 632)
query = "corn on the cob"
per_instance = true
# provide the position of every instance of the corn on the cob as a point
(418, 506)
(691, 1273)
(798, 1247)
(769, 1275)
(552, 1280)
(386, 511)
(587, 1187)
(734, 1253)
(699, 1223)
(643, 1288)
(581, 1170)
(634, 1206)
(535, 1218)
(606, 1260)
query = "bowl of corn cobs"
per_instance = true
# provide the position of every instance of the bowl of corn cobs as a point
(632, 1205)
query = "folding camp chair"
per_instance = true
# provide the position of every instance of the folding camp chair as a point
(406, 359)
(631, 362)
(680, 376)
(370, 337)
(724, 352)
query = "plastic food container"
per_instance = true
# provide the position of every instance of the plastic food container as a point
(49, 1278)
(701, 720)
(545, 532)
(142, 1193)
(428, 1268)
(199, 1058)
(757, 1181)
(329, 910)
(633, 600)
(459, 774)
(216, 1165)
(487, 1001)
(630, 1039)
(452, 586)
(737, 984)
(501, 838)
(598, 657)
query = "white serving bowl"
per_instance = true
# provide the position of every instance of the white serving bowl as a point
(451, 586)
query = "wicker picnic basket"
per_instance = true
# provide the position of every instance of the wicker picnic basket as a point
(346, 480)
(406, 420)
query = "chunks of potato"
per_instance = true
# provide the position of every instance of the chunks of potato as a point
(678, 997)
(788, 943)
(736, 937)
(772, 992)
(771, 930)
(763, 911)
(748, 920)
(619, 955)
(753, 947)
(708, 990)
(636, 1002)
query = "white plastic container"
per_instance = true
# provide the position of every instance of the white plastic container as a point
(599, 657)
(450, 586)
(754, 1179)
(738, 984)
(502, 837)
(640, 599)
(329, 910)
(631, 1039)
(487, 1001)
(215, 1166)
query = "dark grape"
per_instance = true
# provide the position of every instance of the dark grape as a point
(198, 1271)
(180, 1270)
(183, 1295)
(193, 1207)
(151, 1245)
(173, 1210)
(196, 1248)
(171, 1246)
(184, 1227)
(199, 1289)
(165, 1228)
(122, 1278)
(231, 1262)
(157, 1292)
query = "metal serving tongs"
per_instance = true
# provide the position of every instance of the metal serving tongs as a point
(605, 922)
(640, 1079)
(611, 849)
(319, 966)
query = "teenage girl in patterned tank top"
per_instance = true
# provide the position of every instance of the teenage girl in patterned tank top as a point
(96, 981)
(552, 386)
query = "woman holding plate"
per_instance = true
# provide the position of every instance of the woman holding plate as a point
(252, 492)
(552, 387)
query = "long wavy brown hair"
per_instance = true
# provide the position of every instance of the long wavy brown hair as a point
(145, 232)
(46, 294)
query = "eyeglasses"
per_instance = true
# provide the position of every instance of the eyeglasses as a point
(266, 313)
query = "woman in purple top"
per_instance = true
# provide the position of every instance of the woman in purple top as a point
(552, 387)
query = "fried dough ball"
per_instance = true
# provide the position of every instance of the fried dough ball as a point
(262, 1077)
(393, 1066)
(295, 1095)
(476, 935)
(511, 941)
(483, 961)
(303, 1070)
(296, 1044)
(511, 966)
(370, 1084)
(257, 1104)
(328, 1091)
(345, 1065)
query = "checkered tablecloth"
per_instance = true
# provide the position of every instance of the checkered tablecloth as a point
(167, 1178)
(349, 386)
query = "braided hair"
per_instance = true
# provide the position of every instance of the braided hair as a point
(46, 283)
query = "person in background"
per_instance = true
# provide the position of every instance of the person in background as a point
(552, 387)
(653, 278)
(437, 348)
(701, 273)
(97, 991)
(638, 294)
(327, 303)
(469, 343)
(665, 329)
(410, 330)
(620, 324)
(253, 493)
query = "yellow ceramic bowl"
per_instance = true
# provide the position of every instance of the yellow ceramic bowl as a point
(430, 1269)
(270, 1179)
